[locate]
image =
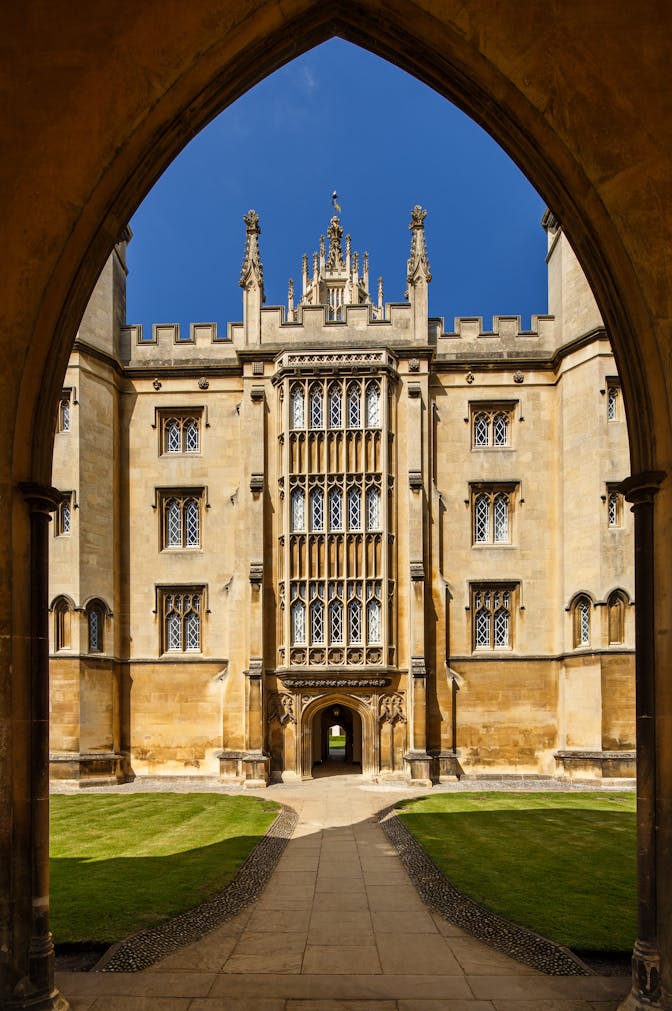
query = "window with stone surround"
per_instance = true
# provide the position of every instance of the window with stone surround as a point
(616, 611)
(181, 518)
(581, 611)
(613, 400)
(64, 416)
(95, 626)
(335, 488)
(614, 507)
(181, 610)
(180, 431)
(492, 611)
(492, 512)
(491, 425)
(62, 612)
(63, 515)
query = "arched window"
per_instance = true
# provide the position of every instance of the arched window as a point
(501, 519)
(181, 621)
(95, 620)
(173, 524)
(172, 435)
(191, 523)
(316, 616)
(616, 609)
(492, 614)
(582, 608)
(336, 622)
(500, 429)
(297, 416)
(316, 412)
(354, 509)
(181, 433)
(181, 521)
(297, 613)
(482, 519)
(374, 624)
(317, 509)
(335, 508)
(373, 508)
(354, 406)
(373, 406)
(62, 624)
(335, 406)
(355, 622)
(298, 510)
(481, 429)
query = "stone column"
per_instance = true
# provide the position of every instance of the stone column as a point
(255, 762)
(646, 989)
(36, 989)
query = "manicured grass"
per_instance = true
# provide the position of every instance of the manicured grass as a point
(563, 864)
(337, 741)
(121, 863)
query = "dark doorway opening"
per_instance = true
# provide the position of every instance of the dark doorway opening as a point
(337, 742)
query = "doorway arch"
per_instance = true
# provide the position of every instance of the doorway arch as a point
(335, 723)
(359, 724)
(117, 109)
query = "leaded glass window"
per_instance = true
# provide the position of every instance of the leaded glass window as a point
(181, 522)
(317, 509)
(298, 509)
(297, 417)
(297, 613)
(482, 519)
(191, 523)
(182, 621)
(373, 508)
(181, 434)
(501, 519)
(64, 413)
(336, 622)
(173, 436)
(354, 509)
(612, 402)
(95, 629)
(316, 414)
(583, 611)
(500, 429)
(374, 629)
(191, 441)
(501, 627)
(355, 622)
(482, 636)
(65, 515)
(373, 406)
(491, 617)
(336, 508)
(173, 524)
(614, 509)
(335, 406)
(481, 430)
(354, 406)
(316, 616)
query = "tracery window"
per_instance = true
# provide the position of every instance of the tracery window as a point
(614, 508)
(298, 509)
(297, 613)
(373, 405)
(491, 508)
(335, 406)
(616, 605)
(317, 628)
(181, 520)
(180, 432)
(95, 621)
(181, 620)
(613, 391)
(374, 625)
(62, 624)
(581, 620)
(336, 508)
(373, 508)
(354, 406)
(490, 426)
(354, 616)
(317, 509)
(354, 509)
(297, 415)
(316, 412)
(336, 637)
(492, 609)
(64, 412)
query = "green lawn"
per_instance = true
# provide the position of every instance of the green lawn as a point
(121, 863)
(563, 864)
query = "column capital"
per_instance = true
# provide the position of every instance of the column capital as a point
(40, 498)
(641, 488)
(256, 668)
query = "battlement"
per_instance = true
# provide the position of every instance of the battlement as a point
(506, 335)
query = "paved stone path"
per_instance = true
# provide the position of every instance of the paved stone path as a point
(340, 926)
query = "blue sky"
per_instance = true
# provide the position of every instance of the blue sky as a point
(338, 118)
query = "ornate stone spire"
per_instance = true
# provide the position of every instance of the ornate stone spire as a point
(335, 258)
(418, 264)
(252, 271)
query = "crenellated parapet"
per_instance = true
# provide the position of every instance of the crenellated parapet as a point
(504, 338)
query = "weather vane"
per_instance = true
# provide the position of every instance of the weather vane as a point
(334, 200)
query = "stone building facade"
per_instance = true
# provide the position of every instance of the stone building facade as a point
(339, 513)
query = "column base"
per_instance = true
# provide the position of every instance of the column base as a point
(646, 993)
(52, 1001)
(418, 768)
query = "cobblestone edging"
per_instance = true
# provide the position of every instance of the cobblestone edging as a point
(149, 946)
(438, 892)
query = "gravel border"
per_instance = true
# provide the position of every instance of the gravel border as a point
(149, 946)
(438, 892)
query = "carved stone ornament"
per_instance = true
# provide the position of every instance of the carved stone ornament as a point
(281, 708)
(256, 573)
(203, 383)
(418, 667)
(518, 377)
(470, 377)
(392, 709)
(256, 483)
(417, 572)
(257, 394)
(414, 365)
(344, 682)
(415, 479)
(156, 384)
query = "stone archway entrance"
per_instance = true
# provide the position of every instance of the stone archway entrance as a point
(337, 741)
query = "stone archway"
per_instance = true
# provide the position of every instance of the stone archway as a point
(347, 722)
(363, 739)
(564, 90)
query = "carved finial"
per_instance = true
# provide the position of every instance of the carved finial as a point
(290, 295)
(335, 233)
(418, 264)
(252, 271)
(380, 293)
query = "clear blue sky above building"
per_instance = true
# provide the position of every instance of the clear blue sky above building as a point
(338, 118)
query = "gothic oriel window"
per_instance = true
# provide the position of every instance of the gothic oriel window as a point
(181, 520)
(581, 620)
(490, 426)
(334, 556)
(492, 610)
(181, 620)
(180, 432)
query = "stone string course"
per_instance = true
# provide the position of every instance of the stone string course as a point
(149, 946)
(441, 895)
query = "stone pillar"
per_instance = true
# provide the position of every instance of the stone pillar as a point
(36, 988)
(255, 762)
(646, 988)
